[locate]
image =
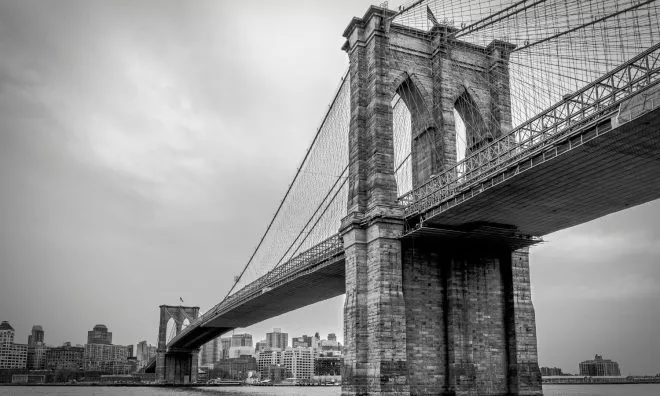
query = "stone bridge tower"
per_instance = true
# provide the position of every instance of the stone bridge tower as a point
(175, 367)
(425, 315)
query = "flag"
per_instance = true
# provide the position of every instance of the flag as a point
(181, 299)
(429, 15)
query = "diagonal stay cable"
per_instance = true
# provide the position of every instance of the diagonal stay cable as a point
(344, 79)
(341, 176)
(320, 217)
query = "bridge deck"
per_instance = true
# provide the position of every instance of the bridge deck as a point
(599, 171)
(306, 283)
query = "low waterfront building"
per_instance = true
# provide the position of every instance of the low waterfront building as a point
(266, 359)
(235, 368)
(599, 367)
(299, 361)
(12, 355)
(328, 365)
(275, 373)
(65, 357)
(547, 371)
(36, 357)
(107, 358)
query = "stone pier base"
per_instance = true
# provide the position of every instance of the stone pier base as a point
(453, 320)
(178, 368)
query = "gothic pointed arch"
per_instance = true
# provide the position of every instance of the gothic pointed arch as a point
(424, 140)
(477, 132)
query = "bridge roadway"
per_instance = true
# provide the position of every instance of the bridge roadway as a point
(604, 162)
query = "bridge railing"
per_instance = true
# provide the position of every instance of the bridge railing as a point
(592, 102)
(320, 252)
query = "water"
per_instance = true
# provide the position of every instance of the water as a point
(548, 390)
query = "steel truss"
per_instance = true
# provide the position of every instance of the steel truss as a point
(595, 101)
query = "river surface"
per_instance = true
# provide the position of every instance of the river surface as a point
(548, 390)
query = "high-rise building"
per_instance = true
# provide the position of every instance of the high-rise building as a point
(277, 339)
(241, 345)
(226, 344)
(305, 341)
(210, 353)
(241, 340)
(66, 356)
(599, 367)
(36, 336)
(260, 346)
(12, 356)
(99, 335)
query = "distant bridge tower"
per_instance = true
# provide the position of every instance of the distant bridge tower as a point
(428, 315)
(175, 366)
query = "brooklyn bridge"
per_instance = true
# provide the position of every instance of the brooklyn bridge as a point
(460, 135)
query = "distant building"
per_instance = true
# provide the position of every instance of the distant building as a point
(268, 358)
(210, 353)
(37, 335)
(260, 346)
(226, 344)
(599, 367)
(241, 340)
(277, 339)
(12, 356)
(305, 341)
(275, 373)
(551, 371)
(107, 358)
(241, 345)
(331, 344)
(99, 335)
(144, 352)
(66, 356)
(36, 357)
(299, 361)
(235, 368)
(327, 365)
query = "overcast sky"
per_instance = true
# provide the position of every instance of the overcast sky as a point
(144, 146)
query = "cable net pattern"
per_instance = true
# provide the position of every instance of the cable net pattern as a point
(316, 200)
(561, 46)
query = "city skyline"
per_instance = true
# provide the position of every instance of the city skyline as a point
(125, 168)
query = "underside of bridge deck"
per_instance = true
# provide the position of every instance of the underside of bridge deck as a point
(602, 174)
(305, 288)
